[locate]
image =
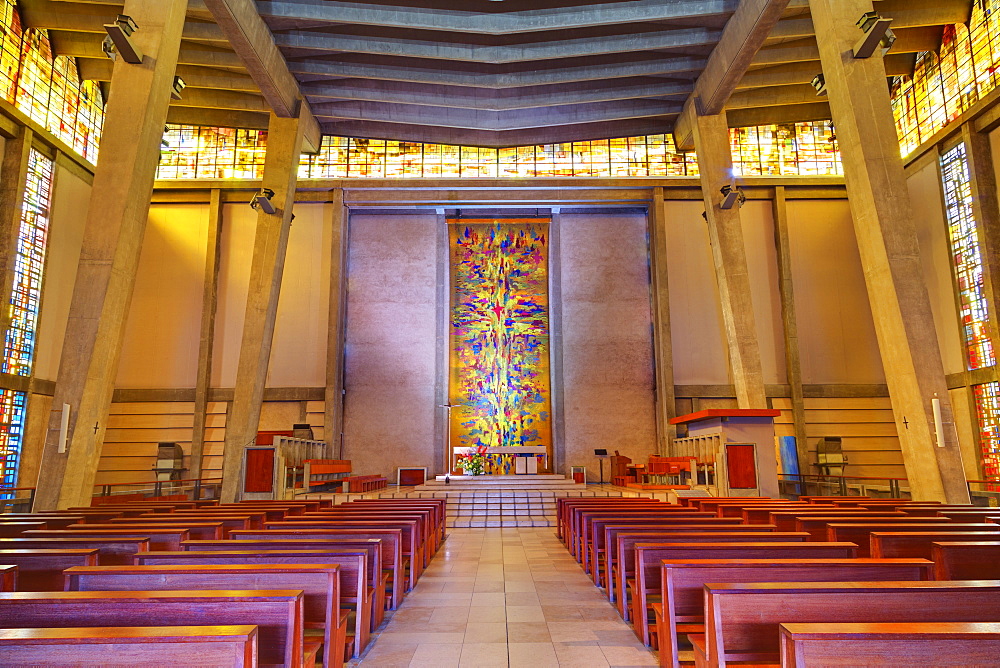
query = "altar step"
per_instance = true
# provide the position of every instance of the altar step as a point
(499, 482)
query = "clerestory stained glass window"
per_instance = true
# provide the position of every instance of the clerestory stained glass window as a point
(987, 398)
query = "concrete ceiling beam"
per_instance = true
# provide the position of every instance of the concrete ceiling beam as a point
(99, 69)
(88, 45)
(435, 50)
(484, 98)
(320, 13)
(50, 15)
(904, 14)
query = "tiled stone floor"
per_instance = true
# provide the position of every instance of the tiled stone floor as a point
(505, 597)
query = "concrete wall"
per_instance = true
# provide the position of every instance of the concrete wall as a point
(607, 346)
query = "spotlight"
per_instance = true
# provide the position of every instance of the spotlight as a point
(262, 201)
(877, 35)
(731, 196)
(178, 88)
(108, 47)
(819, 83)
(119, 32)
(704, 214)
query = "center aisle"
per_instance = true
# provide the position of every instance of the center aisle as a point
(505, 597)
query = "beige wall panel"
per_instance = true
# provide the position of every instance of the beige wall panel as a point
(607, 346)
(160, 347)
(161, 407)
(279, 415)
(762, 263)
(298, 355)
(966, 424)
(69, 215)
(935, 256)
(847, 403)
(390, 350)
(836, 332)
(699, 347)
(239, 223)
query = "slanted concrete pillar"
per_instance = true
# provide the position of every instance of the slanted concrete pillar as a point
(887, 241)
(281, 164)
(715, 162)
(333, 421)
(790, 328)
(119, 205)
(209, 302)
(666, 407)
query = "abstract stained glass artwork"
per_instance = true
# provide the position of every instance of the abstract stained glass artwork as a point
(499, 353)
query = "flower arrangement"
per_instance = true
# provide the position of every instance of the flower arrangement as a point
(474, 463)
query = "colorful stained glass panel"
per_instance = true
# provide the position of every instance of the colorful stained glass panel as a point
(987, 398)
(500, 385)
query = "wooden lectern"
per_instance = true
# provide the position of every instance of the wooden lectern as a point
(619, 464)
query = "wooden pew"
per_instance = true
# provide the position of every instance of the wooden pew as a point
(713, 504)
(221, 552)
(979, 515)
(584, 532)
(325, 588)
(973, 560)
(110, 551)
(226, 522)
(41, 570)
(254, 518)
(597, 545)
(574, 528)
(564, 507)
(130, 646)
(917, 544)
(645, 588)
(427, 538)
(915, 645)
(429, 531)
(8, 577)
(89, 516)
(625, 570)
(786, 520)
(159, 539)
(683, 584)
(411, 547)
(50, 521)
(815, 525)
(278, 614)
(197, 530)
(760, 514)
(15, 529)
(612, 531)
(860, 533)
(439, 508)
(392, 551)
(742, 619)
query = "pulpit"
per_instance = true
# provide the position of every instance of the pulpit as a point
(619, 465)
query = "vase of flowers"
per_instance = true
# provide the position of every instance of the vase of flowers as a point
(474, 463)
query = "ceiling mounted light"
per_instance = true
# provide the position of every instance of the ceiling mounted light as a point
(177, 88)
(731, 196)
(877, 35)
(819, 83)
(119, 32)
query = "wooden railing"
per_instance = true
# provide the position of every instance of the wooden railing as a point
(192, 488)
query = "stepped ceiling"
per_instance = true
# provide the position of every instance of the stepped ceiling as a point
(485, 73)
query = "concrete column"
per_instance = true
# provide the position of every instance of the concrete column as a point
(887, 241)
(666, 407)
(209, 302)
(715, 162)
(793, 365)
(281, 164)
(119, 205)
(333, 420)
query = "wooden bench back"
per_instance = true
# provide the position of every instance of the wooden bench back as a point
(742, 619)
(785, 519)
(131, 645)
(277, 613)
(159, 539)
(683, 582)
(110, 551)
(972, 560)
(861, 533)
(41, 570)
(917, 545)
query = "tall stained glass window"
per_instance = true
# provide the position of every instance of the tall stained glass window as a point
(967, 260)
(26, 292)
(793, 149)
(987, 397)
(947, 82)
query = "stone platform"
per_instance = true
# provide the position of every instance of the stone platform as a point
(500, 482)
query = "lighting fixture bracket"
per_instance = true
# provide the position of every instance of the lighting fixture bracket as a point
(120, 33)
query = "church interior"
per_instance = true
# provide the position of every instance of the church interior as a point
(505, 333)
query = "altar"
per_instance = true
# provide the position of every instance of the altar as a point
(525, 456)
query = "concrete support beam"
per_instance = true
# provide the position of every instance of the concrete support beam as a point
(281, 163)
(323, 13)
(711, 138)
(88, 45)
(112, 241)
(206, 346)
(744, 34)
(790, 329)
(252, 40)
(663, 357)
(887, 241)
(14, 169)
(333, 420)
(99, 69)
